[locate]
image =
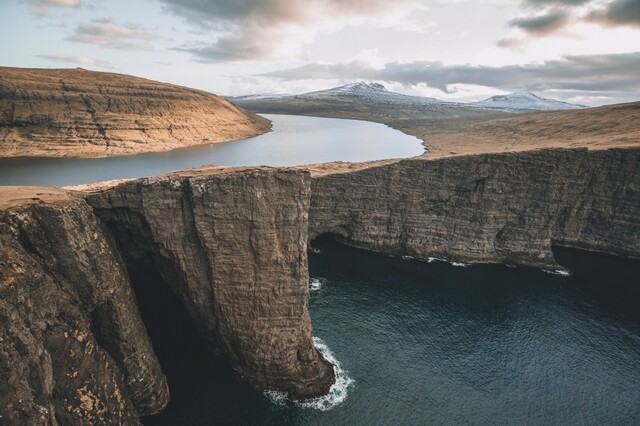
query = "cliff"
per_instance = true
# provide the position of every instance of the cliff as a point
(80, 113)
(73, 349)
(231, 243)
(491, 208)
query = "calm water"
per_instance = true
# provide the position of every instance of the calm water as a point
(294, 140)
(431, 343)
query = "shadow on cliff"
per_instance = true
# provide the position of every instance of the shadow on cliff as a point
(194, 368)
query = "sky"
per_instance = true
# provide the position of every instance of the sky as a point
(582, 51)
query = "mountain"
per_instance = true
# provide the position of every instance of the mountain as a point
(370, 92)
(362, 100)
(524, 101)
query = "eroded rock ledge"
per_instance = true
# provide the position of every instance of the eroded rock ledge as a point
(232, 244)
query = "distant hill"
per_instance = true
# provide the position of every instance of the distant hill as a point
(373, 101)
(358, 100)
(524, 101)
(80, 113)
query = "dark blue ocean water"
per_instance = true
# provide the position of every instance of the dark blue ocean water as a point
(432, 343)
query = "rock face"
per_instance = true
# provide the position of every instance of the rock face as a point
(79, 113)
(496, 208)
(73, 349)
(232, 246)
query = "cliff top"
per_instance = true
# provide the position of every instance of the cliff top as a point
(19, 196)
(80, 113)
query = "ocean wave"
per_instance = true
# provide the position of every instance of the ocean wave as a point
(437, 259)
(337, 393)
(564, 272)
(315, 284)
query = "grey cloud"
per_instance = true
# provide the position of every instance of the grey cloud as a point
(589, 73)
(253, 29)
(105, 33)
(81, 60)
(542, 24)
(557, 2)
(618, 12)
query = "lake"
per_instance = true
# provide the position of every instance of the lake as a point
(433, 343)
(295, 140)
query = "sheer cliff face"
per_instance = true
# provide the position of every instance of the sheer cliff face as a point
(79, 113)
(232, 246)
(497, 208)
(73, 349)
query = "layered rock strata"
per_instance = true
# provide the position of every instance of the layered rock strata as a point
(80, 113)
(73, 349)
(232, 246)
(491, 208)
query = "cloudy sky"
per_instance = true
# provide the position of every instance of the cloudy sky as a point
(585, 51)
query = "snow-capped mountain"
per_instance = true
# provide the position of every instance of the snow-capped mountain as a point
(369, 92)
(524, 101)
(362, 100)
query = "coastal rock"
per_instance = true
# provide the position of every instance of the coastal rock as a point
(491, 208)
(231, 244)
(80, 113)
(73, 349)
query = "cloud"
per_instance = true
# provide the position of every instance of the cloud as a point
(591, 73)
(258, 29)
(105, 33)
(542, 25)
(617, 12)
(557, 2)
(41, 7)
(77, 60)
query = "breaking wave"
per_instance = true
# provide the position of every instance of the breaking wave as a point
(337, 393)
(564, 272)
(437, 259)
(315, 284)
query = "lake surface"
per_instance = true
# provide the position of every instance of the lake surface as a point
(295, 140)
(432, 343)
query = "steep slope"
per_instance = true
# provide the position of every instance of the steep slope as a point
(491, 208)
(73, 349)
(231, 244)
(524, 101)
(79, 113)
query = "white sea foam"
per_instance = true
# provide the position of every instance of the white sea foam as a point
(407, 257)
(315, 284)
(437, 259)
(564, 272)
(315, 250)
(337, 393)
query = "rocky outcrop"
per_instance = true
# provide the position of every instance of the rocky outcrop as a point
(496, 208)
(73, 349)
(80, 113)
(231, 243)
